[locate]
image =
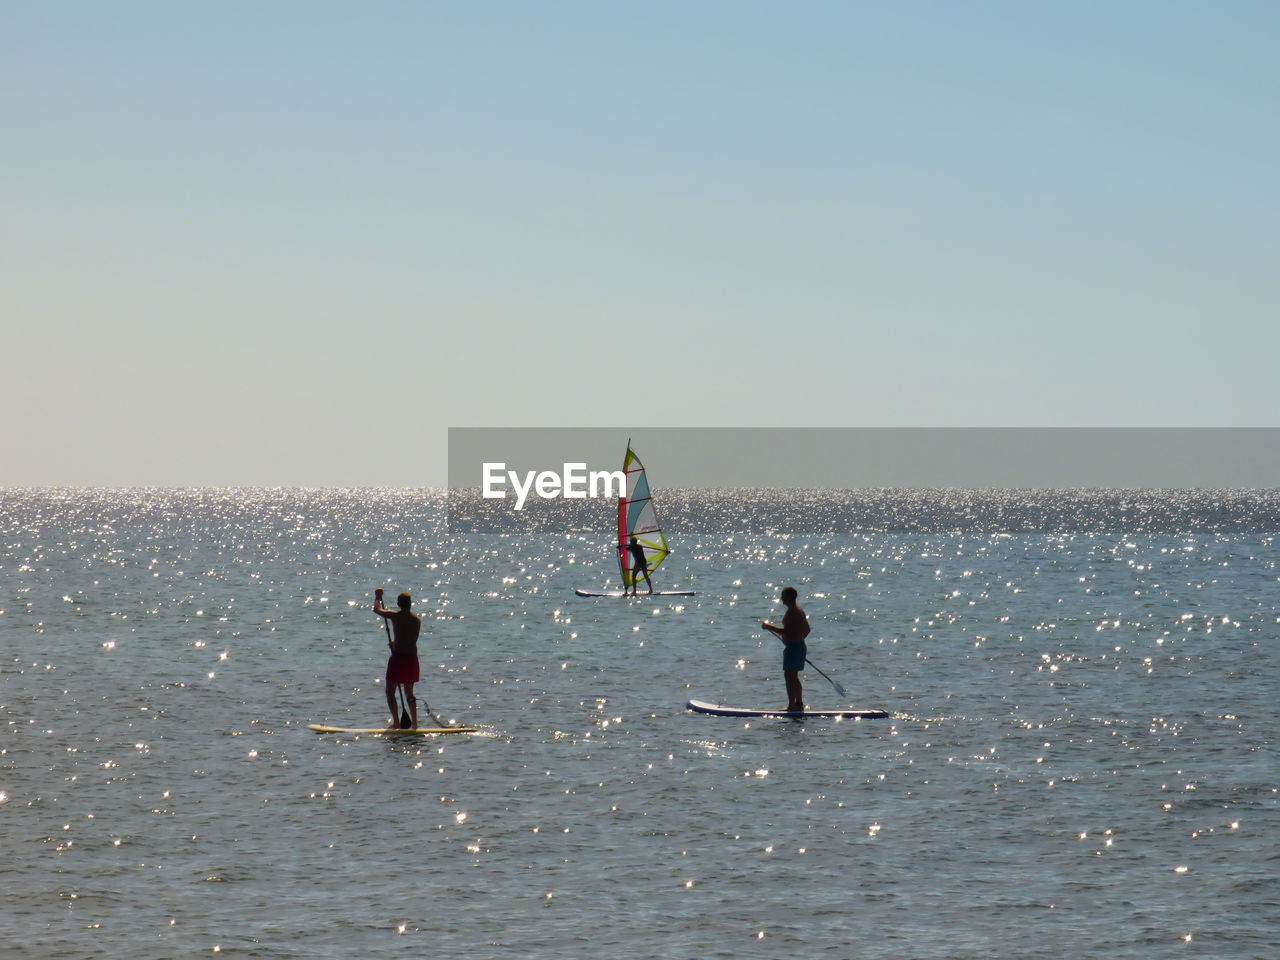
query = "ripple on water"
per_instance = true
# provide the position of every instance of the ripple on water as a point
(1080, 747)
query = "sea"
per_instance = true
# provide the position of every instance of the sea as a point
(1080, 757)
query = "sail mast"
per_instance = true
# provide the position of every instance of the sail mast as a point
(624, 558)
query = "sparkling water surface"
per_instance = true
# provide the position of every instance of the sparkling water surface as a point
(1081, 755)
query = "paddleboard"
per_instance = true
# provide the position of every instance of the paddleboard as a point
(394, 732)
(644, 593)
(715, 709)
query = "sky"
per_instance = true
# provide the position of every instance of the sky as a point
(292, 244)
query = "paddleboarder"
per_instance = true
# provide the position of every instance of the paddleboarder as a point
(402, 665)
(794, 630)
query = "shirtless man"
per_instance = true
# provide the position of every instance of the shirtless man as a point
(639, 566)
(794, 629)
(402, 665)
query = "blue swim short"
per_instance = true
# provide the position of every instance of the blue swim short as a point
(793, 656)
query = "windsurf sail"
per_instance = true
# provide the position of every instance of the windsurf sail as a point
(636, 518)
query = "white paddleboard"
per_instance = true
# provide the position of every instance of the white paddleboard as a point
(718, 710)
(643, 593)
(393, 731)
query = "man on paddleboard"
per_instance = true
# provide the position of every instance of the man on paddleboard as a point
(794, 629)
(402, 665)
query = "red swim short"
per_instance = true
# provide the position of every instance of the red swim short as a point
(402, 669)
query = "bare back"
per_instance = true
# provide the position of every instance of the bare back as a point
(406, 626)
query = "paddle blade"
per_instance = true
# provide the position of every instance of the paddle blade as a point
(405, 722)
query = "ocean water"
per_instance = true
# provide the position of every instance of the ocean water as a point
(1080, 759)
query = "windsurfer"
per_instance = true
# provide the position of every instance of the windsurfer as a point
(639, 567)
(794, 630)
(402, 665)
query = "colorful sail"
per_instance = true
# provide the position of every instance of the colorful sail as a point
(636, 518)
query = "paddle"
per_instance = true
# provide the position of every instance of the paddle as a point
(406, 723)
(840, 691)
